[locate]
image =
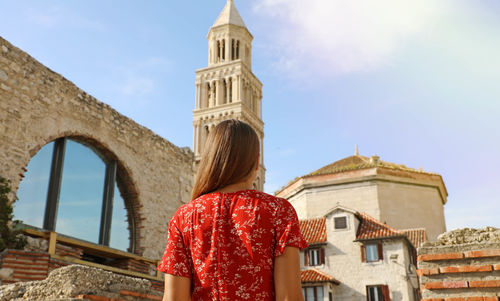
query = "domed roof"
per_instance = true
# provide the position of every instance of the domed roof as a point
(360, 162)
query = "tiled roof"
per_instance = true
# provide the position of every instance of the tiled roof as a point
(371, 228)
(416, 236)
(313, 230)
(360, 162)
(314, 275)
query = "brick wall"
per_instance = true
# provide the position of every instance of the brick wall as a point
(466, 272)
(27, 266)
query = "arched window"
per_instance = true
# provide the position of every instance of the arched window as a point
(218, 51)
(72, 189)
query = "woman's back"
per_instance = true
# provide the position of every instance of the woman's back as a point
(226, 243)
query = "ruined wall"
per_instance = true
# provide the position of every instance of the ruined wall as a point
(76, 282)
(463, 265)
(38, 106)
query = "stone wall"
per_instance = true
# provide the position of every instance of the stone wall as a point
(38, 106)
(76, 282)
(463, 265)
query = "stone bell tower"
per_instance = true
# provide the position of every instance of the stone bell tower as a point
(227, 88)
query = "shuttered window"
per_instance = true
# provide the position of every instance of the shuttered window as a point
(314, 256)
(340, 222)
(372, 252)
(377, 293)
(313, 293)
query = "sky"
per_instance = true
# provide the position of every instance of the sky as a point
(414, 82)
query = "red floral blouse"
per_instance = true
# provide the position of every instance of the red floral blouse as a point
(226, 243)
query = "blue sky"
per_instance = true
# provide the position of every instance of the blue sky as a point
(415, 82)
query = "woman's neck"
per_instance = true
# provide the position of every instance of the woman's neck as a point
(236, 187)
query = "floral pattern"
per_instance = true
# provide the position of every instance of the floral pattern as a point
(226, 243)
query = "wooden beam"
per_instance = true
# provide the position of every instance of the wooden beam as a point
(52, 243)
(89, 247)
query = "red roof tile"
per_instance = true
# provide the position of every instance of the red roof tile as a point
(371, 228)
(313, 230)
(314, 275)
(416, 236)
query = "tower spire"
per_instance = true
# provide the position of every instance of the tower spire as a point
(229, 15)
(356, 151)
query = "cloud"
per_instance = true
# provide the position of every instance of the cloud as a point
(341, 36)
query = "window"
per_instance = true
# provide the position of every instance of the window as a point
(340, 222)
(371, 252)
(76, 187)
(314, 256)
(313, 293)
(377, 293)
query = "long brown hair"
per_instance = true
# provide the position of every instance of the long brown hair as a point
(229, 156)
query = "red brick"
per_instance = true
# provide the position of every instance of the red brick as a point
(497, 267)
(9, 281)
(466, 269)
(455, 299)
(24, 267)
(475, 299)
(445, 270)
(444, 256)
(27, 253)
(25, 262)
(485, 283)
(26, 278)
(433, 299)
(427, 272)
(153, 297)
(129, 293)
(39, 273)
(93, 297)
(483, 253)
(491, 299)
(37, 258)
(446, 285)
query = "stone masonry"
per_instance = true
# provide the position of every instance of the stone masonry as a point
(76, 282)
(38, 106)
(463, 265)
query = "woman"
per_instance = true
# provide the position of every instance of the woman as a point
(232, 242)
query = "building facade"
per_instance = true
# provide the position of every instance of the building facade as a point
(352, 256)
(227, 88)
(399, 196)
(364, 218)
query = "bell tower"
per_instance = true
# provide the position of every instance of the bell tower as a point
(227, 88)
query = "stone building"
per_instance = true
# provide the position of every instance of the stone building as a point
(370, 216)
(352, 256)
(399, 196)
(227, 88)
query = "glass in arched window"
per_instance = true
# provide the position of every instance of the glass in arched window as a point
(82, 187)
(120, 233)
(32, 192)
